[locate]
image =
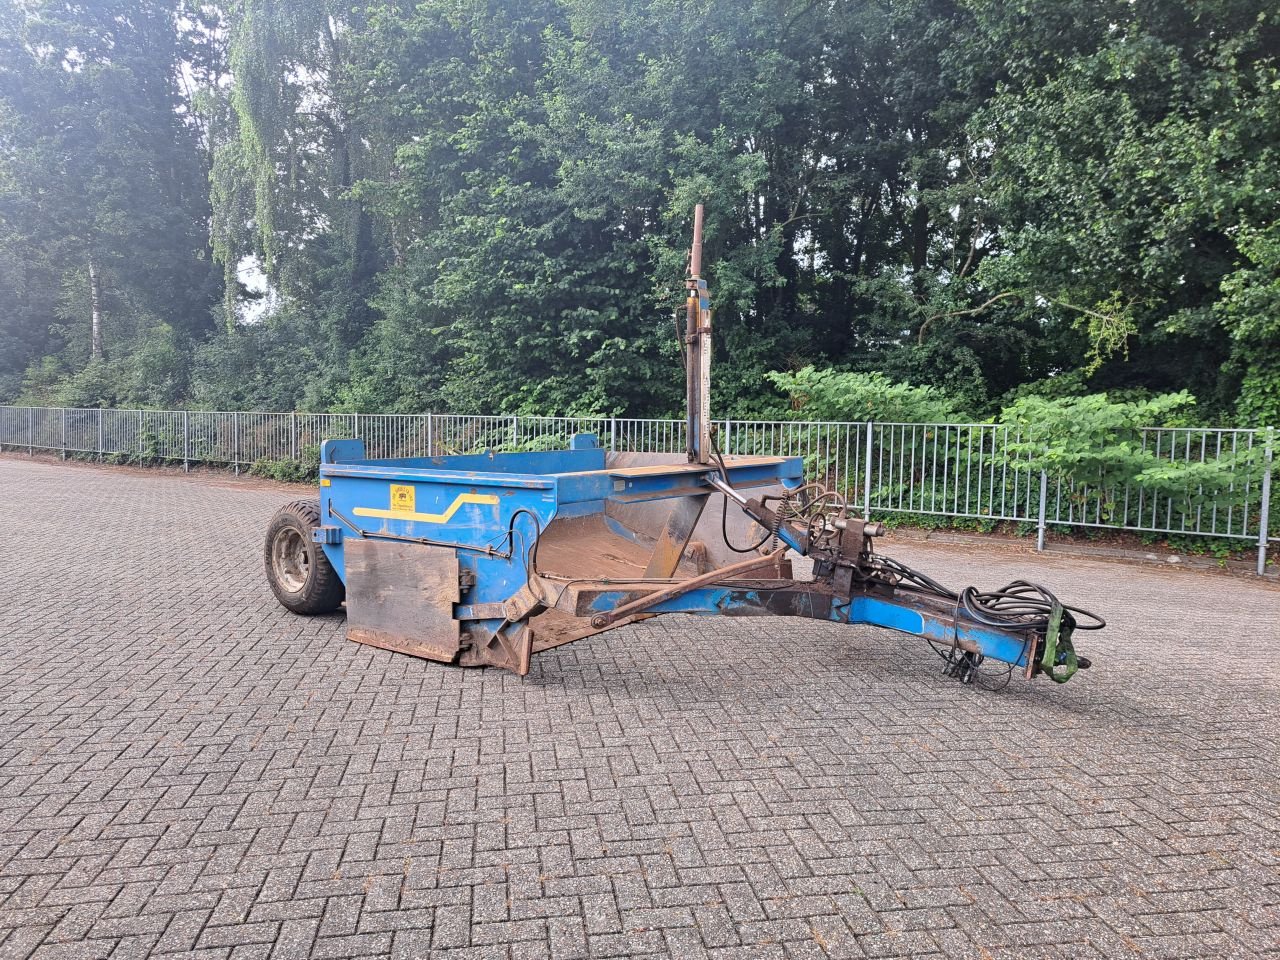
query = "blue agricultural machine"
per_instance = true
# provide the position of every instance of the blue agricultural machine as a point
(487, 559)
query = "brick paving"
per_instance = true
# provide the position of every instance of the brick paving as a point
(186, 768)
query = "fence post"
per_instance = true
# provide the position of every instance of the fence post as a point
(1044, 496)
(727, 449)
(140, 447)
(102, 444)
(1264, 517)
(235, 441)
(613, 434)
(293, 434)
(866, 474)
(186, 440)
(31, 431)
(430, 435)
(515, 432)
(64, 433)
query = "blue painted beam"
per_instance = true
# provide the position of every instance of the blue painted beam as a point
(907, 614)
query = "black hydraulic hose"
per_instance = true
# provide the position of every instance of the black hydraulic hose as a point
(1020, 602)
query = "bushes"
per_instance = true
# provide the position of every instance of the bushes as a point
(1132, 463)
(1091, 443)
(835, 395)
(303, 469)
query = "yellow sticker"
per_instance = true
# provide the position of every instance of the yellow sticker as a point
(402, 498)
(326, 482)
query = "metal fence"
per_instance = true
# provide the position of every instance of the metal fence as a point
(1213, 482)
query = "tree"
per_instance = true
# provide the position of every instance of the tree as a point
(1133, 164)
(288, 149)
(484, 205)
(103, 201)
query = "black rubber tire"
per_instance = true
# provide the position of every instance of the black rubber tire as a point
(310, 586)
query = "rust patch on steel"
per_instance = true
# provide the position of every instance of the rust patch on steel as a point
(400, 643)
(684, 586)
(509, 649)
(585, 547)
(400, 597)
(672, 542)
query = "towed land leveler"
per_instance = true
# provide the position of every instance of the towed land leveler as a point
(487, 559)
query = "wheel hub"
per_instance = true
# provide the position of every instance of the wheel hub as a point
(289, 560)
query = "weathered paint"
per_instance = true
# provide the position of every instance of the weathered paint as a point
(904, 613)
(491, 507)
(489, 510)
(444, 517)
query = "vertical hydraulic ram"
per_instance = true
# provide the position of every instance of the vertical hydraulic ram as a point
(697, 352)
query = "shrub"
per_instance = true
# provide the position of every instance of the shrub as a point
(835, 395)
(303, 469)
(1100, 449)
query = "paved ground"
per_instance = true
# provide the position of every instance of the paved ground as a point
(186, 768)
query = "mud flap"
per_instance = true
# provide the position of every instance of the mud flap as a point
(400, 597)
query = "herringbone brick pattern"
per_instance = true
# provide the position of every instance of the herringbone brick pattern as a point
(188, 769)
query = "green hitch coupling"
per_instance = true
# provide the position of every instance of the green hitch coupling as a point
(1059, 661)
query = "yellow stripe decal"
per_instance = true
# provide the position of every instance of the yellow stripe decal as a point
(454, 507)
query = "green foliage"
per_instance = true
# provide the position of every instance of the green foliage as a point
(834, 395)
(1102, 450)
(303, 469)
(1250, 310)
(1194, 486)
(1133, 160)
(103, 200)
(269, 365)
(1089, 439)
(153, 375)
(485, 207)
(933, 521)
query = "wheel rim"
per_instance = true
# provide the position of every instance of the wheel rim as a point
(289, 560)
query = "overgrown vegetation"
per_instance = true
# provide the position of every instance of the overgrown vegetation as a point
(1142, 464)
(484, 207)
(304, 468)
(833, 395)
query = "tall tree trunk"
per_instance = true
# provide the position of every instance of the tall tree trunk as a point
(95, 301)
(919, 236)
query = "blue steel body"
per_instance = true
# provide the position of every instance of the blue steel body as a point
(491, 507)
